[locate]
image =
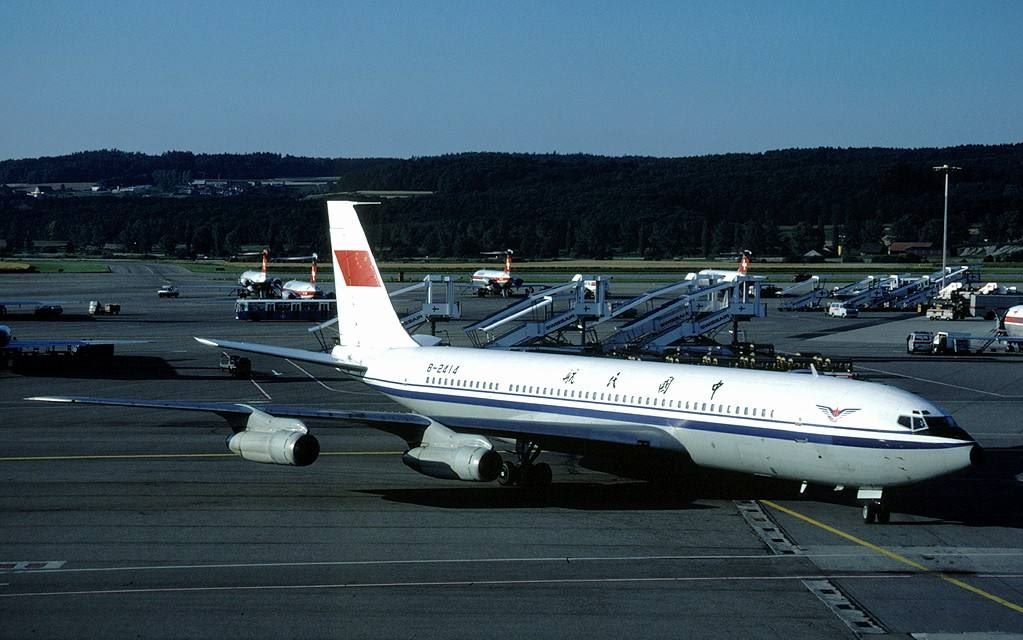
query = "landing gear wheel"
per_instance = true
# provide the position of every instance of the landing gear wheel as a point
(869, 513)
(509, 474)
(876, 511)
(884, 515)
(537, 476)
(527, 472)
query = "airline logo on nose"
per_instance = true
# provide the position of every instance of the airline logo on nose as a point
(357, 268)
(834, 414)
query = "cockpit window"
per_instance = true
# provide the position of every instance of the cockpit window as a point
(940, 422)
(927, 424)
(916, 423)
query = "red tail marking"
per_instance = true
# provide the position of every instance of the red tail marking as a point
(744, 264)
(357, 268)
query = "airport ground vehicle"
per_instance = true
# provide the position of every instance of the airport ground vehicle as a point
(48, 311)
(839, 310)
(97, 308)
(168, 291)
(287, 310)
(942, 343)
(919, 342)
(237, 366)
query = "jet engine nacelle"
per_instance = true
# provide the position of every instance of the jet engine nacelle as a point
(5, 335)
(442, 453)
(273, 440)
(477, 464)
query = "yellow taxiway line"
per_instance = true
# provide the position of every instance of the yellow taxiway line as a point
(894, 556)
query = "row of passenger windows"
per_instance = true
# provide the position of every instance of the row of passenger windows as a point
(462, 384)
(705, 407)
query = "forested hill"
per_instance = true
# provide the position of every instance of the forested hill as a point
(112, 167)
(545, 205)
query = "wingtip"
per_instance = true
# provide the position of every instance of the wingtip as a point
(205, 341)
(49, 399)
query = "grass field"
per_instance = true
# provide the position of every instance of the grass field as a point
(55, 265)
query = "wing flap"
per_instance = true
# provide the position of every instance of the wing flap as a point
(554, 436)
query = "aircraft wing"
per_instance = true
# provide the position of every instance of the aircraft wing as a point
(568, 438)
(406, 425)
(316, 357)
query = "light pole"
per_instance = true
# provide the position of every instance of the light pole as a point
(946, 169)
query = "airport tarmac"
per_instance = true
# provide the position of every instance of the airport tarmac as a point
(118, 523)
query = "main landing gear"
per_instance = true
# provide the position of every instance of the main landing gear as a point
(526, 472)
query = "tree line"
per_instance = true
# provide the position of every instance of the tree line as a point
(544, 205)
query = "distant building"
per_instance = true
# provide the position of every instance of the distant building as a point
(50, 246)
(920, 249)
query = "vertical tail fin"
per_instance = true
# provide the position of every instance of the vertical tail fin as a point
(266, 259)
(507, 261)
(312, 272)
(744, 263)
(365, 316)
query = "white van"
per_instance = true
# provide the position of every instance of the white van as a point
(839, 310)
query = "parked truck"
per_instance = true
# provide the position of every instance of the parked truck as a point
(938, 343)
(97, 308)
(993, 305)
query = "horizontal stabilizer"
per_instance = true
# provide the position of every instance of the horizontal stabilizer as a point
(302, 355)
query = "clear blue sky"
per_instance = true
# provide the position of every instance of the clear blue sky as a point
(395, 78)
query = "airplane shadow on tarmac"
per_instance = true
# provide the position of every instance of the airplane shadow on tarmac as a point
(990, 495)
(110, 368)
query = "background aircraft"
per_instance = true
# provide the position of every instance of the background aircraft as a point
(496, 281)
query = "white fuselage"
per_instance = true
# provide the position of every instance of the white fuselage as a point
(802, 427)
(1014, 321)
(300, 289)
(252, 277)
(491, 276)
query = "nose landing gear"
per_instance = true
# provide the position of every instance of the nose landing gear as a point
(876, 511)
(875, 508)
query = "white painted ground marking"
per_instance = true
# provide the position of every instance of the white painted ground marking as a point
(326, 386)
(30, 565)
(256, 384)
(441, 561)
(943, 384)
(457, 583)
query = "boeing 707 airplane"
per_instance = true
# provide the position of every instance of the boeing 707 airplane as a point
(464, 402)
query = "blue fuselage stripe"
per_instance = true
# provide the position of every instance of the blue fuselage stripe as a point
(625, 414)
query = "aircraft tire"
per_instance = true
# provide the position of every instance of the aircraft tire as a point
(509, 474)
(869, 512)
(876, 512)
(537, 476)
